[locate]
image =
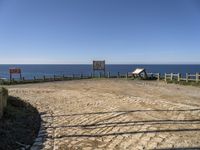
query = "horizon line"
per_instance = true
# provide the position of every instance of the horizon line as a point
(105, 64)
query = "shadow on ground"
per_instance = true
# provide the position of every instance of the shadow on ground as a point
(19, 125)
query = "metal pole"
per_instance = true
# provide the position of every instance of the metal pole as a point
(10, 77)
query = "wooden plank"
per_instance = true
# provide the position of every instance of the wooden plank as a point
(158, 76)
(186, 77)
(171, 77)
(178, 77)
(191, 75)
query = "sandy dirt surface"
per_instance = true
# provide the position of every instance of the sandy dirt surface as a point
(115, 114)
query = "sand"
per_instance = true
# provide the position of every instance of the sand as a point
(115, 114)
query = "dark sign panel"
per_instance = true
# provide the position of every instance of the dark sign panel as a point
(15, 71)
(98, 65)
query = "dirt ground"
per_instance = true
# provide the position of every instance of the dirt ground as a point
(115, 114)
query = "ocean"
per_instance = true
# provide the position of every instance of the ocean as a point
(29, 71)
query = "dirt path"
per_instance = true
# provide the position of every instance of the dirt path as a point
(115, 114)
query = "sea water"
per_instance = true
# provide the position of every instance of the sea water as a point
(29, 71)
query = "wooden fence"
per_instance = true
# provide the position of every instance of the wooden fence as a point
(178, 77)
(152, 76)
(63, 77)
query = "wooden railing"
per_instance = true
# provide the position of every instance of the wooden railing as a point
(154, 76)
(178, 77)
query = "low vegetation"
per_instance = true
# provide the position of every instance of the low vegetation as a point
(192, 83)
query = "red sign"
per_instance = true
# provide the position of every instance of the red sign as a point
(15, 71)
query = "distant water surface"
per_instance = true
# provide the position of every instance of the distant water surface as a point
(29, 71)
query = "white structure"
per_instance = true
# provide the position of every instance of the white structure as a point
(140, 72)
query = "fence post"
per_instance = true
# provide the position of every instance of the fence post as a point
(81, 75)
(165, 77)
(20, 76)
(171, 77)
(197, 77)
(108, 74)
(34, 78)
(118, 75)
(127, 75)
(186, 77)
(54, 77)
(44, 78)
(99, 74)
(178, 77)
(63, 76)
(158, 77)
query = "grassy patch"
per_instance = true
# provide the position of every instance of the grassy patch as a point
(191, 83)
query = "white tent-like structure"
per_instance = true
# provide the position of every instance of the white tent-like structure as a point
(140, 72)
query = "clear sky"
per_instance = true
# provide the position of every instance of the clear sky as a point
(118, 31)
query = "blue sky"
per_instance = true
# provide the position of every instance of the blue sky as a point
(118, 31)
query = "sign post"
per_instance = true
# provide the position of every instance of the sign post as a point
(15, 71)
(99, 66)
